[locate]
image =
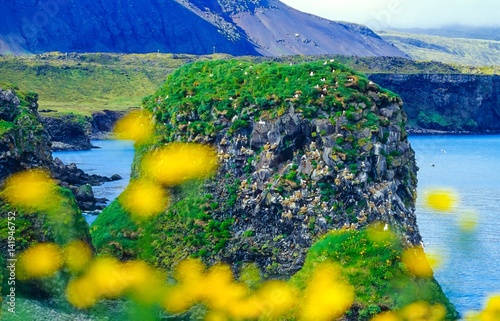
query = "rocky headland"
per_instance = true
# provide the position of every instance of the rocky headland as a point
(26, 144)
(74, 132)
(304, 149)
(447, 103)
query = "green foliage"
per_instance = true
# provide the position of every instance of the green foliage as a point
(248, 233)
(115, 233)
(374, 269)
(225, 89)
(327, 191)
(59, 226)
(90, 81)
(435, 121)
(5, 126)
(233, 193)
(187, 228)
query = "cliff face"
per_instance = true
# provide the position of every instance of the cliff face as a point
(178, 26)
(304, 149)
(24, 143)
(448, 102)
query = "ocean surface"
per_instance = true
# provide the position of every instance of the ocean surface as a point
(113, 157)
(468, 165)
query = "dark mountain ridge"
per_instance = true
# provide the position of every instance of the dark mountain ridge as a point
(252, 27)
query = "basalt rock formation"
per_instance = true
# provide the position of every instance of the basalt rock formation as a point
(304, 149)
(448, 102)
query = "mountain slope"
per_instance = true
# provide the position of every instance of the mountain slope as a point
(472, 52)
(251, 27)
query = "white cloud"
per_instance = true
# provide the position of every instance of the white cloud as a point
(405, 13)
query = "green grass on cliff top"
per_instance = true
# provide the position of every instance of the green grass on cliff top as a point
(84, 83)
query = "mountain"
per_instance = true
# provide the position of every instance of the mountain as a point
(486, 33)
(465, 51)
(251, 27)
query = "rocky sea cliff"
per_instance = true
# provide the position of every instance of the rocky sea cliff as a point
(303, 149)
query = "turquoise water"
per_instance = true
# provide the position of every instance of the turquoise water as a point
(113, 157)
(469, 165)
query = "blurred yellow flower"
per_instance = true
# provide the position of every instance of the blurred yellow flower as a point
(144, 283)
(468, 221)
(177, 163)
(40, 261)
(105, 275)
(178, 299)
(77, 255)
(490, 313)
(136, 126)
(277, 298)
(416, 261)
(441, 200)
(189, 271)
(144, 199)
(421, 310)
(32, 189)
(387, 316)
(220, 287)
(327, 296)
(216, 316)
(82, 293)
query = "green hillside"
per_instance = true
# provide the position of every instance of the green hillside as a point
(474, 52)
(83, 83)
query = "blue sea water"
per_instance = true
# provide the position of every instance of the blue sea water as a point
(113, 157)
(469, 166)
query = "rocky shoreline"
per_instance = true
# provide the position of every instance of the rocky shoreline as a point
(75, 132)
(424, 131)
(25, 143)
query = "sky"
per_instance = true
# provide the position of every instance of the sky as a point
(386, 14)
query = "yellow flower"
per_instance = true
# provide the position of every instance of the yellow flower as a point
(177, 163)
(327, 296)
(32, 189)
(490, 313)
(77, 255)
(416, 261)
(441, 200)
(136, 126)
(386, 316)
(144, 283)
(107, 278)
(144, 199)
(421, 310)
(40, 261)
(82, 293)
(276, 298)
(190, 289)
